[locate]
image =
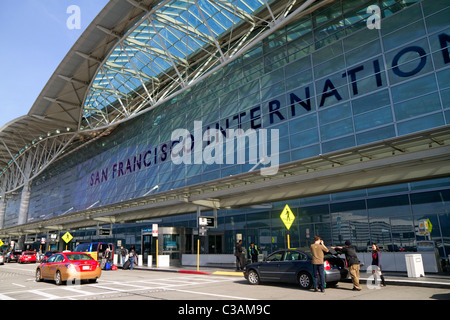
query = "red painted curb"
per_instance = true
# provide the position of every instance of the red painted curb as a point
(194, 272)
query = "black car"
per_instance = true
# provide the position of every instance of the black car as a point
(13, 256)
(294, 266)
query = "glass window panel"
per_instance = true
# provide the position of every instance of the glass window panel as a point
(436, 21)
(418, 106)
(416, 87)
(405, 34)
(423, 123)
(338, 144)
(335, 113)
(375, 135)
(373, 119)
(370, 102)
(336, 129)
(348, 211)
(383, 207)
(408, 61)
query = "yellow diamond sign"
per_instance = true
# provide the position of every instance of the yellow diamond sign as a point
(1, 243)
(287, 217)
(67, 237)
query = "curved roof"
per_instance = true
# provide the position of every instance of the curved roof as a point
(132, 57)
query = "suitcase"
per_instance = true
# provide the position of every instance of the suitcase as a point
(126, 265)
(108, 266)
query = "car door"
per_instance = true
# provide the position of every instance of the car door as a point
(53, 267)
(46, 267)
(269, 270)
(293, 263)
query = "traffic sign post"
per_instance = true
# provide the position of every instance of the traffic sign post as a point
(288, 219)
(67, 237)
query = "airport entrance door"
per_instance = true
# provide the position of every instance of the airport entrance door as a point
(172, 241)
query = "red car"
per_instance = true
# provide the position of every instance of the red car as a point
(27, 256)
(69, 266)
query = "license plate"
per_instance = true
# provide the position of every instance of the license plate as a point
(86, 268)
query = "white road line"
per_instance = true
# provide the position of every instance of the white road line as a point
(4, 297)
(19, 285)
(210, 294)
(44, 294)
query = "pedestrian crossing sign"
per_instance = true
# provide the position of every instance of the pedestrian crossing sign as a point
(67, 237)
(287, 217)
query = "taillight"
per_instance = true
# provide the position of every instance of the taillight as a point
(326, 265)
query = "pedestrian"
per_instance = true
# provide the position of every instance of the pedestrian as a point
(132, 256)
(318, 249)
(353, 263)
(376, 263)
(123, 253)
(238, 252)
(253, 252)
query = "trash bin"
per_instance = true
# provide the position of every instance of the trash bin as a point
(414, 265)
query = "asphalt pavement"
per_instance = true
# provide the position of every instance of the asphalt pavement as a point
(436, 280)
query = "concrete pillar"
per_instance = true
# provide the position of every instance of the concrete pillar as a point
(2, 209)
(24, 204)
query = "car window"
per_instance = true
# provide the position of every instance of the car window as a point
(59, 258)
(76, 257)
(52, 258)
(277, 256)
(84, 247)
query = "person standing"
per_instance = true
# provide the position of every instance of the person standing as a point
(318, 249)
(253, 252)
(132, 256)
(353, 263)
(238, 252)
(376, 261)
(123, 253)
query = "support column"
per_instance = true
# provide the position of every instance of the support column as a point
(2, 209)
(24, 204)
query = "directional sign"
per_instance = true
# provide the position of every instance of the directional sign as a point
(67, 237)
(1, 243)
(287, 217)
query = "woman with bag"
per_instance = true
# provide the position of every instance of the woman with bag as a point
(376, 261)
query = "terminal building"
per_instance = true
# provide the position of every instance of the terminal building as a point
(169, 112)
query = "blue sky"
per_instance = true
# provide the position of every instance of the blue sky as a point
(34, 39)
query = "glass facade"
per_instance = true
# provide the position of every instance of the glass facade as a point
(326, 82)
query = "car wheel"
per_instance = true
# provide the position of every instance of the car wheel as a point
(58, 278)
(305, 280)
(38, 275)
(93, 280)
(253, 277)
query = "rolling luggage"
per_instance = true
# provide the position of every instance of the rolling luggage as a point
(126, 265)
(108, 266)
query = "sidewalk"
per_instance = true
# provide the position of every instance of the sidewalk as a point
(434, 280)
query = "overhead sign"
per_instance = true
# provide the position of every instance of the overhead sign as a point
(208, 222)
(287, 217)
(67, 237)
(155, 230)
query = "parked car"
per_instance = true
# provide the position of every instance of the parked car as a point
(13, 255)
(294, 266)
(2, 258)
(69, 266)
(47, 255)
(27, 256)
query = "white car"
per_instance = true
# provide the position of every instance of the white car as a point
(2, 259)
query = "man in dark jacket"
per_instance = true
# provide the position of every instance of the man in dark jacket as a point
(240, 256)
(353, 263)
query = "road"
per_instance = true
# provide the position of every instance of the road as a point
(17, 283)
